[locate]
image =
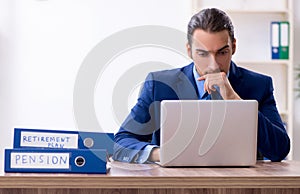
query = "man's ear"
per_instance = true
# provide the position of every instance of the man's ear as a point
(189, 50)
(233, 46)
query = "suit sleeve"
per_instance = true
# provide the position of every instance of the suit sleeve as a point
(273, 141)
(136, 131)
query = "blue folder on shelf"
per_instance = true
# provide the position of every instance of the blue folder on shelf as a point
(40, 138)
(56, 160)
(275, 39)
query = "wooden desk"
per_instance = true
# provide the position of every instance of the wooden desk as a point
(265, 177)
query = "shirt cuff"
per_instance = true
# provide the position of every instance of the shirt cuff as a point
(144, 154)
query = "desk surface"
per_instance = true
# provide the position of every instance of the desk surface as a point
(122, 175)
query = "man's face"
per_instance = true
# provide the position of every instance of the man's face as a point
(211, 52)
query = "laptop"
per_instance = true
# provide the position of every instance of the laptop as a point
(208, 132)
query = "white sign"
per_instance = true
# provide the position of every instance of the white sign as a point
(50, 140)
(39, 160)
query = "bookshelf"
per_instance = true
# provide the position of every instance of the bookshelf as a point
(252, 20)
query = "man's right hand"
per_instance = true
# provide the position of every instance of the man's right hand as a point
(155, 155)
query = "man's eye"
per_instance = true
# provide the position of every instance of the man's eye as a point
(225, 52)
(202, 54)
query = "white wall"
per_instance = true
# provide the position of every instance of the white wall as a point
(7, 69)
(43, 43)
(296, 135)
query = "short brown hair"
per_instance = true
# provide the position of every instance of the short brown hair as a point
(210, 20)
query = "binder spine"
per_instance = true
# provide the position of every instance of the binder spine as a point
(55, 160)
(40, 138)
(284, 40)
(275, 40)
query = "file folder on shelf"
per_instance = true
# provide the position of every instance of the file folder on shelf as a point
(284, 40)
(280, 40)
(275, 40)
(56, 160)
(40, 138)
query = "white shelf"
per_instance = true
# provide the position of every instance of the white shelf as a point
(256, 11)
(271, 62)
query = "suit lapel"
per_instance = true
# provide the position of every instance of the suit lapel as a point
(186, 86)
(235, 77)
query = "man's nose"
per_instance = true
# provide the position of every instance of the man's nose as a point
(213, 65)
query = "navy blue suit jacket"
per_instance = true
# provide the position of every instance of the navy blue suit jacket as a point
(141, 127)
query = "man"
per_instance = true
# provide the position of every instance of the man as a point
(211, 44)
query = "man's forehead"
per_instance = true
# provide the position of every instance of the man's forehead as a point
(210, 40)
(204, 48)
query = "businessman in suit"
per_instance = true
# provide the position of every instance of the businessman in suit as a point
(211, 44)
